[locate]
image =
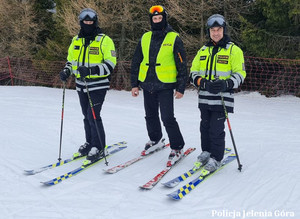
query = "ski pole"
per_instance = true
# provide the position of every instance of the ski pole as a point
(229, 127)
(95, 120)
(62, 119)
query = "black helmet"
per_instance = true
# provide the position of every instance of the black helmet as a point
(158, 10)
(88, 14)
(216, 20)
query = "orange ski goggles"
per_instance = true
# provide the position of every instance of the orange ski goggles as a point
(156, 8)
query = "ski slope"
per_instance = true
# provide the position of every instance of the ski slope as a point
(266, 132)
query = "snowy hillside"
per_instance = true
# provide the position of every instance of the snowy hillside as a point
(266, 132)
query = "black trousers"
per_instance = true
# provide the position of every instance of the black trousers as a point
(212, 129)
(97, 97)
(164, 101)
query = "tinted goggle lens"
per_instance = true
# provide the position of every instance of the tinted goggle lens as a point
(156, 8)
(83, 15)
(217, 20)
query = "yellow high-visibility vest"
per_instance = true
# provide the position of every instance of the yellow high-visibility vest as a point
(227, 61)
(93, 54)
(165, 63)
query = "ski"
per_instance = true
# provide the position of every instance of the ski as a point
(183, 191)
(132, 161)
(86, 164)
(149, 185)
(174, 182)
(62, 162)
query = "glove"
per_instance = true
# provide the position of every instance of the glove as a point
(64, 74)
(208, 85)
(83, 71)
(221, 86)
(204, 84)
(198, 81)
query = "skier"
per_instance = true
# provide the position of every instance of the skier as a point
(217, 69)
(91, 58)
(159, 67)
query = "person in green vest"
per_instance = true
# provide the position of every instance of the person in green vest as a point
(159, 68)
(91, 58)
(217, 69)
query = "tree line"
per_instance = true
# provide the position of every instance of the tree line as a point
(43, 29)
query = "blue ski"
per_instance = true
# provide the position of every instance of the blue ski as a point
(83, 167)
(62, 162)
(183, 191)
(174, 182)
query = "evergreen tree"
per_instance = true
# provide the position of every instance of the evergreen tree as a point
(44, 10)
(58, 40)
(45, 28)
(271, 29)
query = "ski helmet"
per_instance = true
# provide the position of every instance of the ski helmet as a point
(158, 10)
(88, 14)
(216, 20)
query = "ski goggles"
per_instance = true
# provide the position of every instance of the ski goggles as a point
(156, 8)
(87, 14)
(216, 21)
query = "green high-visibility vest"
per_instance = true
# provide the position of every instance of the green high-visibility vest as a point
(165, 63)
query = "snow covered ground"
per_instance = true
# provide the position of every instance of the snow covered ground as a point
(266, 132)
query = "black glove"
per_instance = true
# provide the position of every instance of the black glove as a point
(64, 74)
(83, 71)
(202, 84)
(221, 86)
(206, 85)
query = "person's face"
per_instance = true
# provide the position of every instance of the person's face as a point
(88, 22)
(216, 33)
(157, 18)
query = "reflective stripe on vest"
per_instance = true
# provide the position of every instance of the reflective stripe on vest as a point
(93, 55)
(165, 63)
(222, 65)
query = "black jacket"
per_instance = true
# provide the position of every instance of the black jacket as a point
(152, 83)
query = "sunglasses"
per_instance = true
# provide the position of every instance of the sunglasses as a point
(218, 20)
(83, 15)
(156, 8)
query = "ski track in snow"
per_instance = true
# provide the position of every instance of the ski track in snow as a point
(266, 131)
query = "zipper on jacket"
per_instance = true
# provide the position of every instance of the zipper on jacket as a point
(219, 49)
(78, 59)
(208, 58)
(85, 45)
(214, 52)
(84, 51)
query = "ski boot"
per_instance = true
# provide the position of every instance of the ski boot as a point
(174, 157)
(153, 146)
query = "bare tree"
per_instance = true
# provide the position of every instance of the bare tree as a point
(18, 32)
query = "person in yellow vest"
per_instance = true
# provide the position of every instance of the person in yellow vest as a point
(159, 67)
(91, 58)
(216, 70)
